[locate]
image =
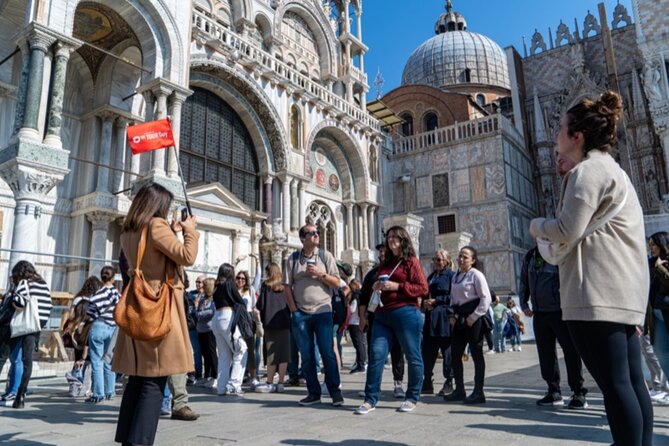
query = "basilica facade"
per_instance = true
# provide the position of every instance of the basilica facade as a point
(267, 104)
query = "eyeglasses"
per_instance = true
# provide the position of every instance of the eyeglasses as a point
(437, 259)
(313, 233)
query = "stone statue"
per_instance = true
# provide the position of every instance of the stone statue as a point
(266, 231)
(651, 82)
(652, 188)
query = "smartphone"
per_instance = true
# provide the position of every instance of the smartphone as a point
(184, 213)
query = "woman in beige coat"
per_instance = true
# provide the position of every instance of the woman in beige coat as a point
(604, 276)
(149, 363)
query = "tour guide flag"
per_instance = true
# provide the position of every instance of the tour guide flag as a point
(150, 136)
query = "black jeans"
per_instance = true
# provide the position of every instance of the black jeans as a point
(140, 410)
(460, 338)
(431, 347)
(207, 343)
(612, 354)
(360, 344)
(549, 328)
(28, 344)
(396, 355)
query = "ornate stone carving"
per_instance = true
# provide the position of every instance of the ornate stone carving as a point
(537, 42)
(620, 15)
(29, 183)
(100, 220)
(563, 33)
(590, 24)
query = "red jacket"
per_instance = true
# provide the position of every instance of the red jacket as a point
(412, 281)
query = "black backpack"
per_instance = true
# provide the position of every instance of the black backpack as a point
(341, 312)
(244, 322)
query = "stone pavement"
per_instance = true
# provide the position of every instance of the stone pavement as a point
(510, 417)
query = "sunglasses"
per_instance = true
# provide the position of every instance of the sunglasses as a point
(199, 281)
(438, 259)
(313, 233)
(240, 278)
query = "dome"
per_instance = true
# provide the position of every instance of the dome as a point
(456, 56)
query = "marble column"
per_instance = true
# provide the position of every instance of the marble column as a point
(178, 99)
(371, 228)
(294, 207)
(349, 226)
(100, 230)
(30, 187)
(55, 115)
(158, 165)
(267, 198)
(235, 238)
(285, 200)
(105, 151)
(23, 86)
(365, 227)
(120, 154)
(39, 45)
(358, 19)
(302, 202)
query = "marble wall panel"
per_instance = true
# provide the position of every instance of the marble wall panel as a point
(459, 158)
(478, 183)
(499, 271)
(489, 225)
(494, 181)
(424, 192)
(460, 186)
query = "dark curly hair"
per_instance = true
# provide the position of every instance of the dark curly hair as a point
(90, 287)
(25, 270)
(597, 120)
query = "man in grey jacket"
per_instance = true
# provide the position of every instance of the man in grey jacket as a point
(540, 284)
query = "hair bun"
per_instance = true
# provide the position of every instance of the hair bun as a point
(610, 105)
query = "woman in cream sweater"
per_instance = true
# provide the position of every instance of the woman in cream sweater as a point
(604, 277)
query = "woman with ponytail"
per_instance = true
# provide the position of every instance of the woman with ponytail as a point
(604, 276)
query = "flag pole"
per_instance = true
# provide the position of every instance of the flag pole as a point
(183, 183)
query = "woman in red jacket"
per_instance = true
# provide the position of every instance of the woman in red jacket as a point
(398, 319)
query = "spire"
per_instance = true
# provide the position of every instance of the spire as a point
(449, 6)
(539, 126)
(450, 21)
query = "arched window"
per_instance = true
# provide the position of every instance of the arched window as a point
(480, 99)
(407, 125)
(430, 122)
(468, 75)
(321, 216)
(295, 127)
(216, 147)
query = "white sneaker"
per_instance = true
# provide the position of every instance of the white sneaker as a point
(407, 406)
(491, 352)
(519, 349)
(657, 394)
(211, 384)
(254, 383)
(279, 388)
(364, 409)
(265, 388)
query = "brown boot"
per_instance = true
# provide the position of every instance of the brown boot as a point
(185, 414)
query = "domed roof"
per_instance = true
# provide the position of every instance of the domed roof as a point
(456, 56)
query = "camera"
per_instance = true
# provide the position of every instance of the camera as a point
(184, 213)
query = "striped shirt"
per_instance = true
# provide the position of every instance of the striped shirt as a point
(102, 304)
(35, 290)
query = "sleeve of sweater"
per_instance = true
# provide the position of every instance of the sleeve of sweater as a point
(579, 203)
(20, 293)
(256, 279)
(168, 243)
(416, 284)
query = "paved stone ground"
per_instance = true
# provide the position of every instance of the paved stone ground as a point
(510, 417)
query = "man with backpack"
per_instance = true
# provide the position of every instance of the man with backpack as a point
(309, 276)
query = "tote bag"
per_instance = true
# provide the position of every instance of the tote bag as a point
(26, 319)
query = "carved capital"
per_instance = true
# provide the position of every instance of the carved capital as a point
(40, 41)
(62, 49)
(29, 183)
(100, 220)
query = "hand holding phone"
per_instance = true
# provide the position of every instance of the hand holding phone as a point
(184, 213)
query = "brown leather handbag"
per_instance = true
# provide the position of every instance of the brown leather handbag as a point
(142, 313)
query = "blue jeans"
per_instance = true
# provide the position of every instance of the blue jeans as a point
(294, 363)
(403, 325)
(15, 369)
(498, 337)
(197, 353)
(306, 327)
(661, 342)
(101, 373)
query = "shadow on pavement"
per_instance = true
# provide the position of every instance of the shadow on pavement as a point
(349, 442)
(6, 439)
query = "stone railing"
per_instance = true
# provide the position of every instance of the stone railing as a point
(457, 133)
(359, 75)
(251, 55)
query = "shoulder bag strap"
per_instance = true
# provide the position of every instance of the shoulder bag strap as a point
(395, 269)
(142, 246)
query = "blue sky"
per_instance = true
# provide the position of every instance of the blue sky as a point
(392, 29)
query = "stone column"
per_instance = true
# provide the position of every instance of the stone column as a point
(105, 151)
(234, 237)
(30, 187)
(358, 17)
(285, 199)
(294, 207)
(371, 229)
(55, 116)
(349, 226)
(302, 202)
(100, 229)
(365, 227)
(178, 99)
(39, 45)
(121, 152)
(267, 198)
(158, 165)
(23, 86)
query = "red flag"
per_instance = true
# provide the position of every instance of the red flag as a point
(150, 136)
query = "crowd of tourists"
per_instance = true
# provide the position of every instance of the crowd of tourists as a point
(594, 284)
